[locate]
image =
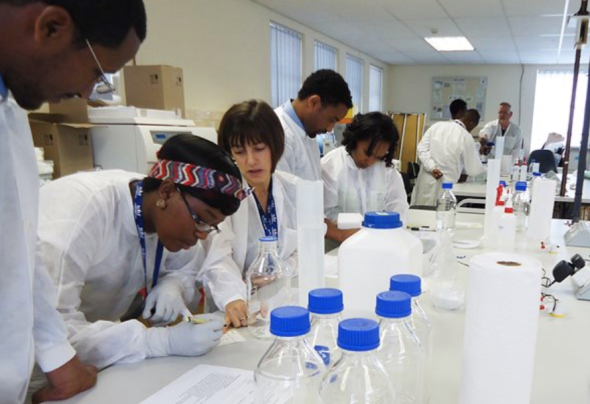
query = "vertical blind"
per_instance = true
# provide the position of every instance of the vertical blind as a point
(325, 56)
(553, 94)
(375, 88)
(285, 59)
(354, 78)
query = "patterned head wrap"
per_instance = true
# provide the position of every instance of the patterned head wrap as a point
(191, 175)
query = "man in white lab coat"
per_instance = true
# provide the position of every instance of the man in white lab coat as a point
(502, 127)
(448, 148)
(323, 100)
(48, 50)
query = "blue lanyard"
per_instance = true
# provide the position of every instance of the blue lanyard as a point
(269, 218)
(138, 216)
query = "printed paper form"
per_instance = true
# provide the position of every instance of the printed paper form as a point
(206, 384)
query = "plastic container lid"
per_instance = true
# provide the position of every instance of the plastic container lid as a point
(521, 186)
(447, 185)
(268, 239)
(289, 321)
(394, 304)
(382, 220)
(325, 301)
(536, 174)
(411, 284)
(503, 183)
(358, 334)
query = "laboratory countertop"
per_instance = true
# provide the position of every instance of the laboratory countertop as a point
(561, 370)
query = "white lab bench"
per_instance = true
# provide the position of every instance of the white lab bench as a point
(562, 360)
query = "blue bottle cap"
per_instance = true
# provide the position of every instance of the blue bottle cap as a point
(536, 174)
(533, 161)
(289, 321)
(521, 186)
(503, 183)
(358, 334)
(268, 239)
(447, 185)
(325, 301)
(411, 284)
(394, 304)
(382, 220)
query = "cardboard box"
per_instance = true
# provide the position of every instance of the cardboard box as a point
(67, 144)
(155, 87)
(74, 110)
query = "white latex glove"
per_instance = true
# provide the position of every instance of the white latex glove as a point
(185, 339)
(165, 303)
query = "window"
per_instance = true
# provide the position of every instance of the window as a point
(326, 56)
(354, 78)
(553, 95)
(375, 88)
(285, 59)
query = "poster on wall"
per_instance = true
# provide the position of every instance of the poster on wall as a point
(447, 89)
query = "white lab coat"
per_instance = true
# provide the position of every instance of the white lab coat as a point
(90, 246)
(349, 189)
(302, 153)
(450, 148)
(225, 257)
(30, 327)
(513, 136)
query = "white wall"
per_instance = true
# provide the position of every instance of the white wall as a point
(224, 50)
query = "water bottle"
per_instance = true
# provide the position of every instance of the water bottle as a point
(521, 206)
(446, 208)
(400, 350)
(532, 166)
(359, 377)
(325, 306)
(268, 287)
(290, 371)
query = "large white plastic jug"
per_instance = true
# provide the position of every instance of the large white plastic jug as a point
(369, 258)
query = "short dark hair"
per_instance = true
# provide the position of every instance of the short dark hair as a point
(102, 22)
(375, 126)
(329, 86)
(471, 115)
(252, 122)
(195, 150)
(458, 108)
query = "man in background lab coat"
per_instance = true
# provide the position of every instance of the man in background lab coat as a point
(323, 100)
(48, 51)
(504, 128)
(451, 150)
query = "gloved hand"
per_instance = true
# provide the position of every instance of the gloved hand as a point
(185, 339)
(165, 303)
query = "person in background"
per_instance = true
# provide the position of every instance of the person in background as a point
(359, 175)
(556, 143)
(457, 108)
(452, 150)
(107, 235)
(253, 134)
(49, 50)
(502, 127)
(323, 100)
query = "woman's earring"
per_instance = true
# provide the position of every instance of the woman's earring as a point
(160, 203)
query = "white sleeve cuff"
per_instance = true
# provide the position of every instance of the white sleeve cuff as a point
(55, 357)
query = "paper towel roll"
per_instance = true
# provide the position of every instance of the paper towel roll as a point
(543, 199)
(499, 147)
(493, 178)
(507, 164)
(500, 329)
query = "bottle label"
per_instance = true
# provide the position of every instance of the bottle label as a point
(324, 352)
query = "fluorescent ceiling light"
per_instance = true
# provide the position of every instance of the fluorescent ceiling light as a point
(450, 43)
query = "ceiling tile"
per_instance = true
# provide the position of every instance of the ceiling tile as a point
(414, 9)
(390, 30)
(473, 8)
(525, 26)
(538, 7)
(443, 27)
(430, 57)
(464, 57)
(483, 26)
(493, 43)
(413, 44)
(500, 57)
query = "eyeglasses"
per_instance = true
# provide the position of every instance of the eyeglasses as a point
(199, 223)
(104, 86)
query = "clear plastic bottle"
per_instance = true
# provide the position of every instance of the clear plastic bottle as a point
(325, 306)
(268, 285)
(359, 377)
(446, 208)
(291, 371)
(400, 350)
(521, 206)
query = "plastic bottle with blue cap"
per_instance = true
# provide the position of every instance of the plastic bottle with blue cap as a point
(400, 352)
(359, 377)
(446, 208)
(268, 287)
(521, 206)
(325, 306)
(291, 370)
(367, 259)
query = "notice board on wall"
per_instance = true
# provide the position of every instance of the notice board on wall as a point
(472, 90)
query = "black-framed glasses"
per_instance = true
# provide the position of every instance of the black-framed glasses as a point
(104, 86)
(199, 223)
